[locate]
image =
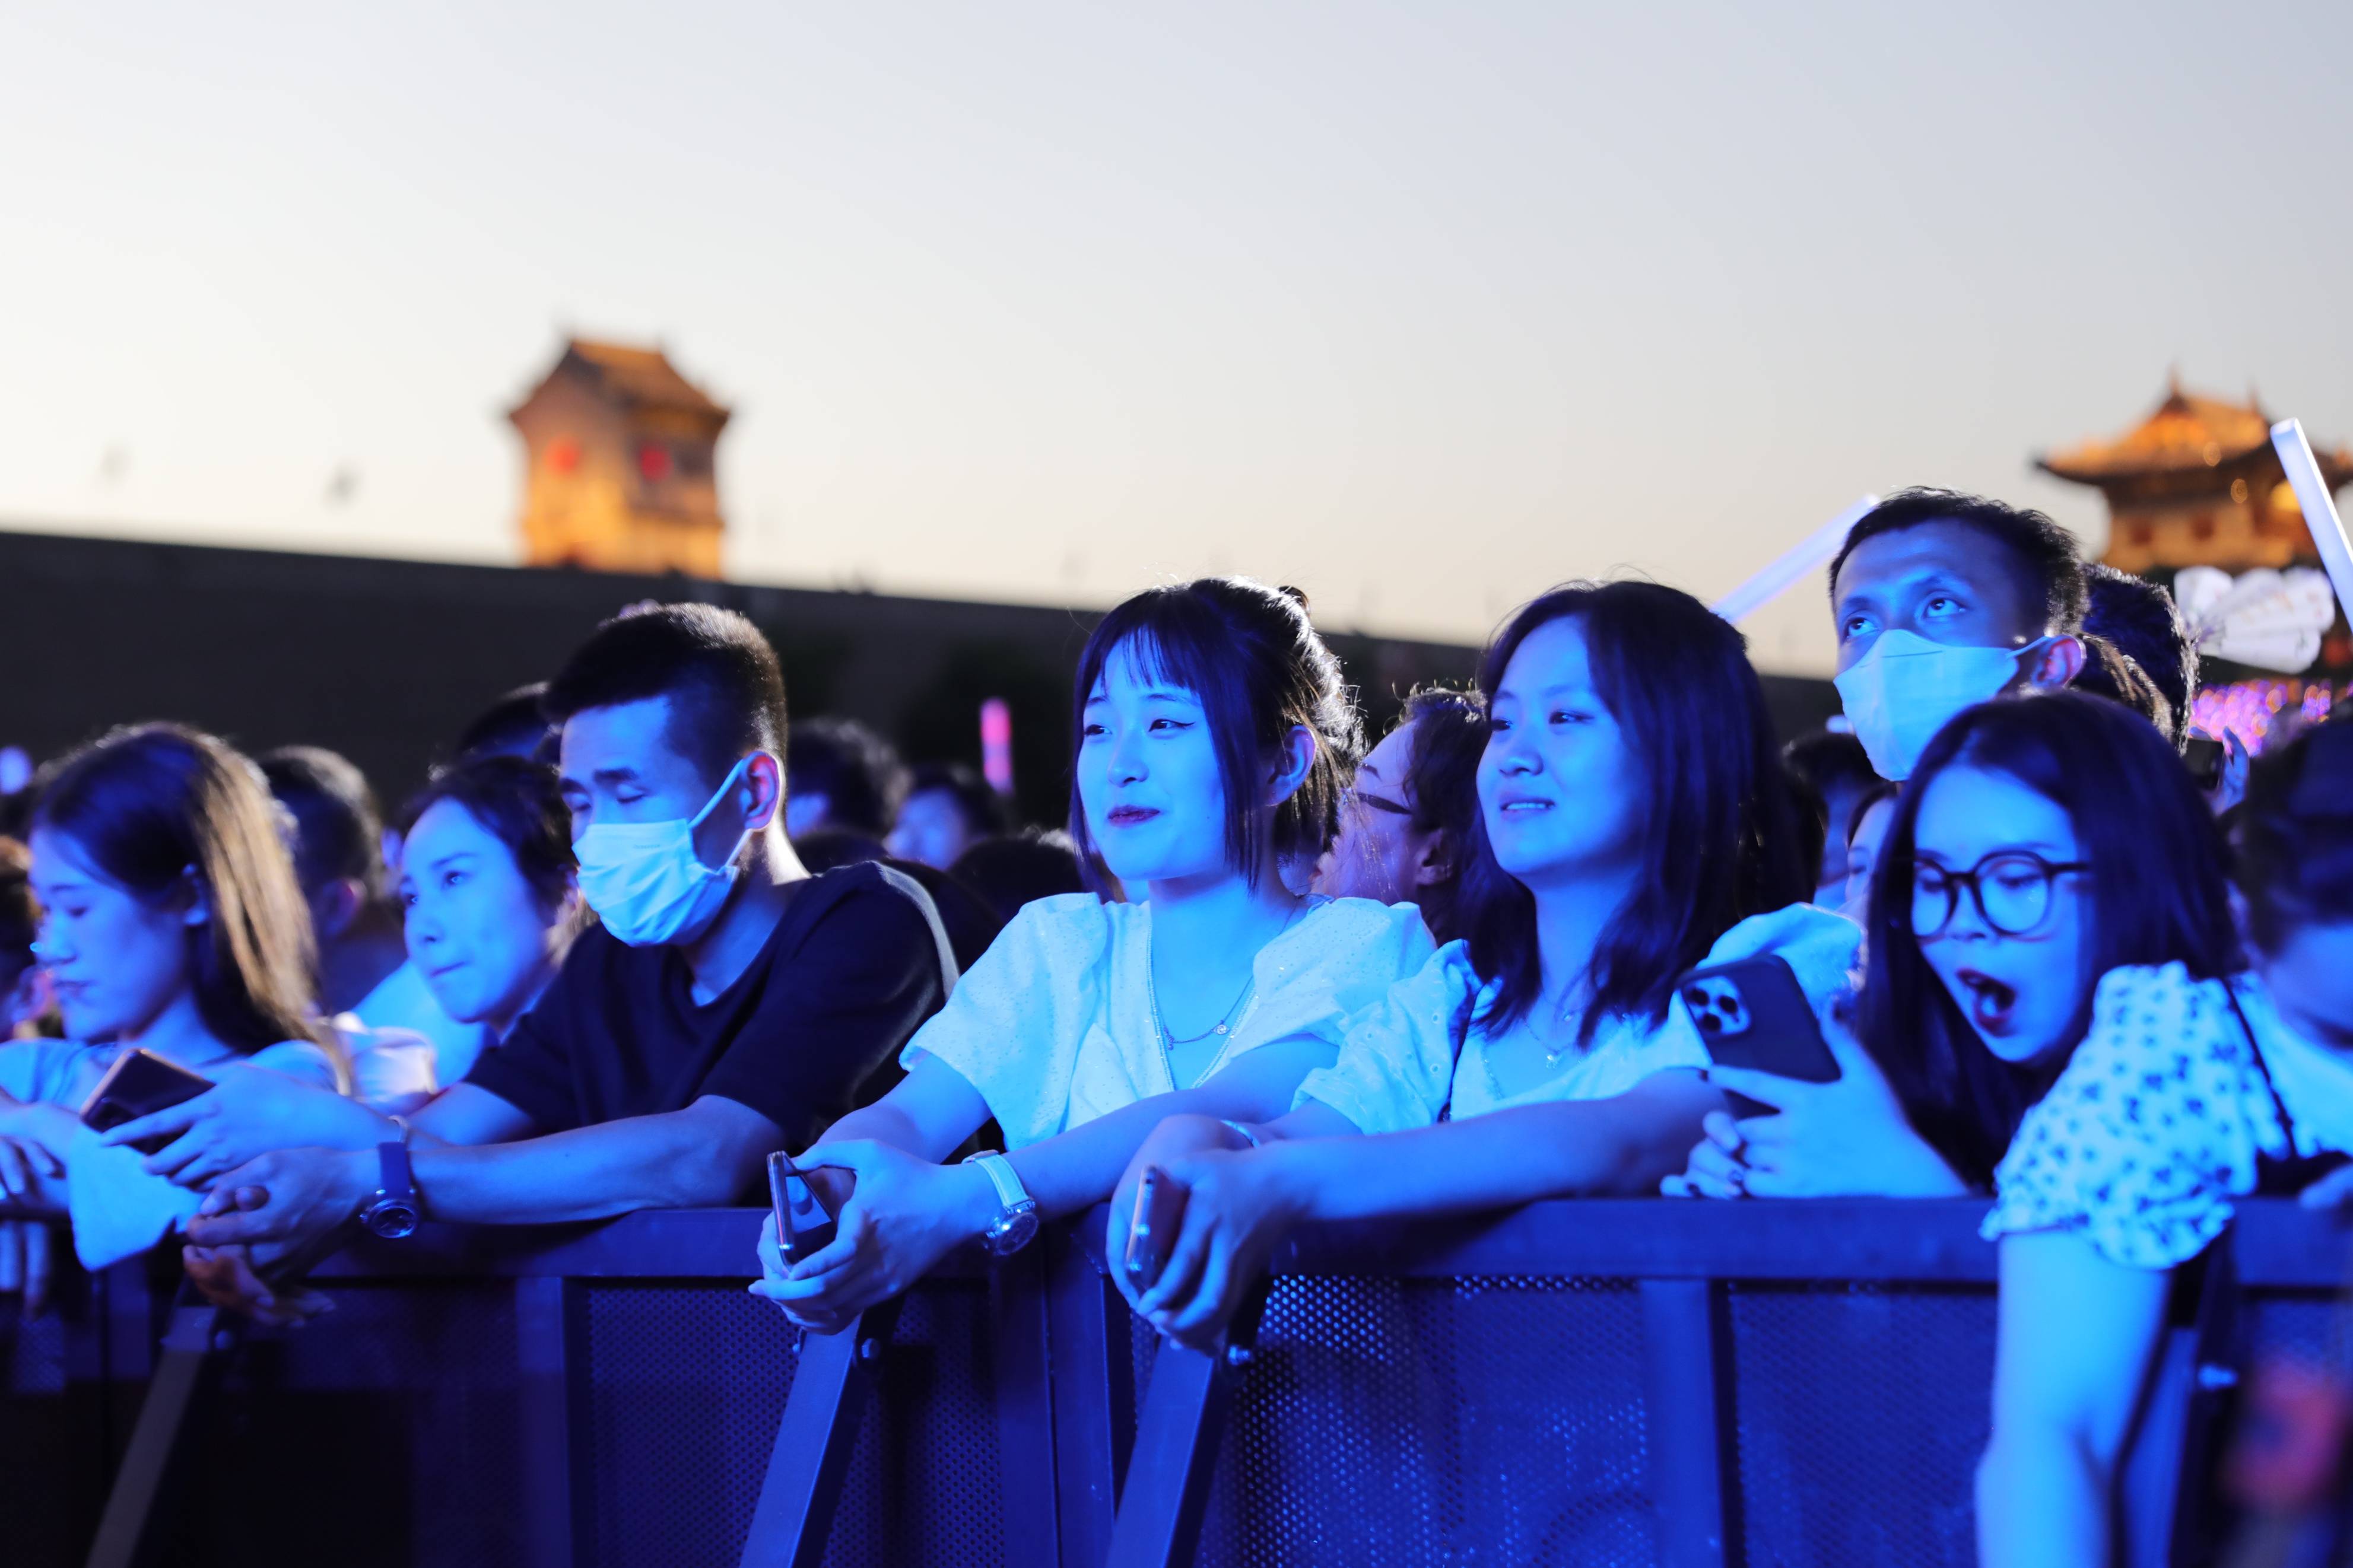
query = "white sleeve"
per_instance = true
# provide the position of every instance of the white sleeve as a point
(1396, 1068)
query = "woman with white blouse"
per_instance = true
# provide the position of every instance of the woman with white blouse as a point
(1633, 817)
(1214, 741)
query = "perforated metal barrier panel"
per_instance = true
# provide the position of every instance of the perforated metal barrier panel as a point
(1461, 1416)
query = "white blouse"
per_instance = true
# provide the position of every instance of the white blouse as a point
(1400, 1069)
(2158, 1120)
(118, 1209)
(1054, 1025)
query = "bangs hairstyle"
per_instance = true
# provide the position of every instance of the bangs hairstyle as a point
(2295, 835)
(1252, 656)
(170, 814)
(1722, 839)
(2154, 896)
(726, 692)
(517, 801)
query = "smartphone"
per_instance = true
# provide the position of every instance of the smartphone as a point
(139, 1084)
(802, 1225)
(1753, 1014)
(2203, 755)
(1159, 1210)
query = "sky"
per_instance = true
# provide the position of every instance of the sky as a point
(1421, 307)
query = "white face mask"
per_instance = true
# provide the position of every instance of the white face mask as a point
(646, 882)
(1898, 695)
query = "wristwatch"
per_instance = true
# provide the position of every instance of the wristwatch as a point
(1010, 1231)
(394, 1211)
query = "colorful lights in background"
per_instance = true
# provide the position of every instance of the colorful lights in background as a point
(2249, 709)
(997, 745)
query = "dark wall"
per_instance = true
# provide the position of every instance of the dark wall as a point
(384, 660)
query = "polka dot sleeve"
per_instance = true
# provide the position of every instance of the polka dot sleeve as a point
(2149, 1133)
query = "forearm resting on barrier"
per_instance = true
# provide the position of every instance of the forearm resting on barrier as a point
(708, 1154)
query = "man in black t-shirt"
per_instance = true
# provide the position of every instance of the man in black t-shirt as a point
(728, 1003)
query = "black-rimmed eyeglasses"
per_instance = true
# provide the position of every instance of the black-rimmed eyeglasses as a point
(2011, 887)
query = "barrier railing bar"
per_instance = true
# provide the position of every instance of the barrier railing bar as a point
(551, 1360)
(197, 1343)
(1177, 1439)
(1092, 1388)
(830, 1390)
(1025, 1409)
(1687, 1356)
(1911, 1240)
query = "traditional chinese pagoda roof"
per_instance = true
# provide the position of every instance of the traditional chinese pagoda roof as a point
(2186, 433)
(644, 377)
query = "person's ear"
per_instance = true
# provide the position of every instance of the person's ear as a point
(1291, 763)
(198, 909)
(761, 792)
(2056, 664)
(336, 906)
(1435, 864)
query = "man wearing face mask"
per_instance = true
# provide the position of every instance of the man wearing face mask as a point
(728, 1004)
(1942, 600)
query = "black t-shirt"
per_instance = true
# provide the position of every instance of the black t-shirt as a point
(856, 963)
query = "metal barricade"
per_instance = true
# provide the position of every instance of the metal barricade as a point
(1636, 1382)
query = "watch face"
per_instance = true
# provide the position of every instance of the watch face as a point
(392, 1220)
(1011, 1233)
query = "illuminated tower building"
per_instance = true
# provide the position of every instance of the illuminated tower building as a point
(2197, 484)
(619, 451)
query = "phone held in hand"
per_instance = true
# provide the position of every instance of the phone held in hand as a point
(2203, 756)
(1160, 1206)
(140, 1083)
(1752, 1012)
(802, 1225)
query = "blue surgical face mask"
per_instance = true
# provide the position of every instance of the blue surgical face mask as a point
(646, 882)
(1907, 687)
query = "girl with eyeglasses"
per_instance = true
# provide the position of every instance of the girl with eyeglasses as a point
(2043, 841)
(2188, 1091)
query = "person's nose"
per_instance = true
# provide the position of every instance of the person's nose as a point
(1514, 757)
(1127, 765)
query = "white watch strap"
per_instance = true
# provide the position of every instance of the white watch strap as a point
(1000, 1171)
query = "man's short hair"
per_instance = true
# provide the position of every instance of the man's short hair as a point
(726, 693)
(338, 828)
(862, 778)
(2047, 562)
(2141, 618)
(515, 725)
(2108, 671)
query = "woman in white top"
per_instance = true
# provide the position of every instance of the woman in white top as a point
(1633, 812)
(170, 923)
(2189, 1091)
(1214, 741)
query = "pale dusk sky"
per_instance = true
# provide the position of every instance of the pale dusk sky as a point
(1421, 307)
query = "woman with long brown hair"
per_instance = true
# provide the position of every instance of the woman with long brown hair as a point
(170, 923)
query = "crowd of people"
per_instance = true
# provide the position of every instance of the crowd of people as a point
(640, 933)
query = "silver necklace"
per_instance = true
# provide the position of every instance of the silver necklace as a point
(1225, 1025)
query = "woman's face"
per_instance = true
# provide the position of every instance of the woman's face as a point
(1148, 780)
(2310, 979)
(115, 960)
(1559, 785)
(1378, 852)
(1862, 855)
(2022, 990)
(475, 927)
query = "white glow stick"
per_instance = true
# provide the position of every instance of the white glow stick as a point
(2320, 507)
(1795, 562)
